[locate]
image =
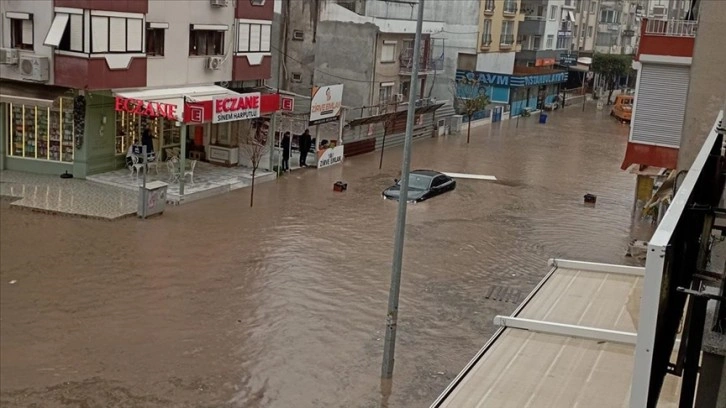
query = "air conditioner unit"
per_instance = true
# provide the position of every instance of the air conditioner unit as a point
(214, 63)
(35, 68)
(8, 56)
(218, 3)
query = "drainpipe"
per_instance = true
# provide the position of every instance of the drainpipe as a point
(373, 76)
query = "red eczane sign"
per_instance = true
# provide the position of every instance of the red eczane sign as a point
(144, 108)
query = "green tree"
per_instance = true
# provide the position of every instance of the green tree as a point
(469, 98)
(611, 67)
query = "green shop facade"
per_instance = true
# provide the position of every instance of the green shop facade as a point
(50, 130)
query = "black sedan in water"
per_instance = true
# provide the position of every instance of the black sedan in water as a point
(422, 185)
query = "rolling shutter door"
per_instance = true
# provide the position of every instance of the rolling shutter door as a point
(660, 105)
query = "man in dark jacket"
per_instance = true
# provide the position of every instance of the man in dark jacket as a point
(305, 143)
(285, 144)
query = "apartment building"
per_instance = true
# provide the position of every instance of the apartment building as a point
(617, 23)
(368, 47)
(82, 79)
(546, 31)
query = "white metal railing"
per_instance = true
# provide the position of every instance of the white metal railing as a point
(672, 28)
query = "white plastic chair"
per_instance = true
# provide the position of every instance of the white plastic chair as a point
(135, 166)
(190, 172)
(153, 161)
(174, 171)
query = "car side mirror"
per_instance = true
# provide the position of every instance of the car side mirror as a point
(395, 180)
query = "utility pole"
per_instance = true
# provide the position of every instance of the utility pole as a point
(389, 344)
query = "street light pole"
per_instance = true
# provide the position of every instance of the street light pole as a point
(392, 316)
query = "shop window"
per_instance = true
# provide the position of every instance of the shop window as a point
(206, 42)
(21, 33)
(155, 42)
(129, 127)
(42, 133)
(254, 37)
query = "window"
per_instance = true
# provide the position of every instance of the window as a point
(537, 42)
(563, 42)
(609, 16)
(155, 42)
(464, 61)
(606, 39)
(296, 77)
(507, 33)
(115, 34)
(42, 133)
(257, 2)
(510, 6)
(388, 51)
(550, 42)
(553, 13)
(406, 88)
(206, 42)
(254, 37)
(486, 36)
(66, 32)
(298, 35)
(589, 31)
(21, 32)
(488, 5)
(593, 7)
(385, 93)
(129, 127)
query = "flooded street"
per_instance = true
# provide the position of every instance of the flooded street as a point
(283, 305)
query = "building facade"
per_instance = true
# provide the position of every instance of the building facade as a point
(546, 32)
(63, 62)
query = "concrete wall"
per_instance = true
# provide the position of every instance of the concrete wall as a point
(177, 67)
(300, 54)
(501, 63)
(346, 51)
(707, 89)
(42, 11)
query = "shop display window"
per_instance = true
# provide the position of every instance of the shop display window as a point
(129, 127)
(42, 133)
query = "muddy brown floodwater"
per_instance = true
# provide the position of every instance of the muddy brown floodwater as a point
(215, 304)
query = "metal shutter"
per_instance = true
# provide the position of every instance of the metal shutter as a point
(660, 105)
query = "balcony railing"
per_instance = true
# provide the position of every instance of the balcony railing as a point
(672, 28)
(489, 7)
(510, 7)
(506, 41)
(428, 61)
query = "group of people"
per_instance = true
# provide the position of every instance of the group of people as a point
(305, 143)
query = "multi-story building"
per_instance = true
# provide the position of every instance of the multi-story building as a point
(617, 22)
(498, 27)
(584, 25)
(546, 31)
(368, 47)
(66, 64)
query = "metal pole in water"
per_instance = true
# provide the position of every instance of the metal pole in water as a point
(392, 316)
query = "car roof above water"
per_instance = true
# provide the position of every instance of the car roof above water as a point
(430, 173)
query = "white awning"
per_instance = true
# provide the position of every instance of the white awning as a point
(176, 96)
(55, 34)
(570, 15)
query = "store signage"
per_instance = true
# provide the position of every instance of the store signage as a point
(287, 103)
(568, 59)
(483, 78)
(325, 104)
(534, 80)
(231, 108)
(330, 157)
(543, 62)
(146, 108)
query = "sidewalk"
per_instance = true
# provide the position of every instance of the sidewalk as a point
(54, 195)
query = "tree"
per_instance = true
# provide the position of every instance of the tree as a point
(253, 145)
(611, 67)
(470, 97)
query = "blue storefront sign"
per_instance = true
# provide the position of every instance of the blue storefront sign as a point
(484, 79)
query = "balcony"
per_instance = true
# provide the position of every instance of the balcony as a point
(428, 60)
(489, 7)
(506, 41)
(672, 28)
(674, 38)
(510, 8)
(532, 25)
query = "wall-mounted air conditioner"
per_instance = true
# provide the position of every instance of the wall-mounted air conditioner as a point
(35, 68)
(218, 3)
(8, 56)
(214, 63)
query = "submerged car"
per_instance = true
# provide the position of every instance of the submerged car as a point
(422, 185)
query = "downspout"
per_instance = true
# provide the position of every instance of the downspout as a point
(373, 76)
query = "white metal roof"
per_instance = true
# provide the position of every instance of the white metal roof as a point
(570, 344)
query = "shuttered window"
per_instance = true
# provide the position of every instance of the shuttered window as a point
(660, 105)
